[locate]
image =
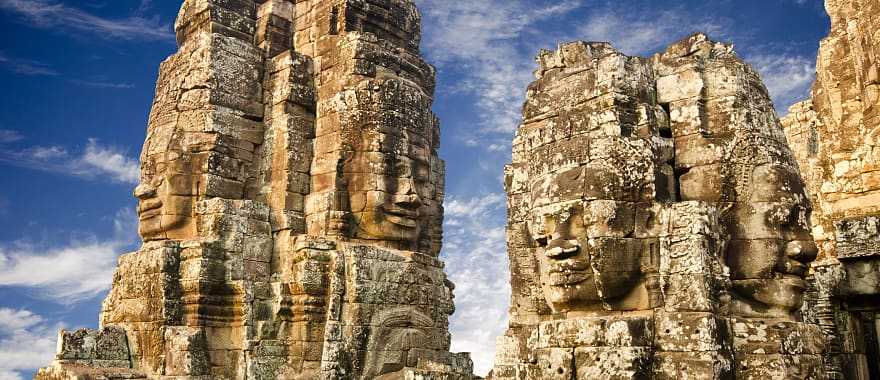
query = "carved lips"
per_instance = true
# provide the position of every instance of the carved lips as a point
(149, 208)
(557, 276)
(565, 267)
(401, 216)
(149, 204)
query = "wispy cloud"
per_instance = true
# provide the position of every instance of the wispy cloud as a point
(26, 66)
(79, 270)
(110, 161)
(56, 15)
(102, 84)
(96, 162)
(646, 31)
(27, 341)
(475, 253)
(143, 7)
(788, 77)
(8, 136)
(36, 68)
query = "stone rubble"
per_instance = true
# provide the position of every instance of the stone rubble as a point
(290, 205)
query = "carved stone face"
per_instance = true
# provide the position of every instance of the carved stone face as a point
(582, 247)
(397, 336)
(387, 193)
(771, 245)
(166, 196)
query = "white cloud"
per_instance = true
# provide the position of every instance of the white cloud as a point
(9, 375)
(458, 211)
(56, 15)
(43, 153)
(95, 162)
(788, 77)
(475, 253)
(27, 341)
(108, 160)
(71, 273)
(14, 320)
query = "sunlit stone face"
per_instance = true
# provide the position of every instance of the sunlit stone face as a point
(387, 193)
(771, 246)
(581, 238)
(166, 197)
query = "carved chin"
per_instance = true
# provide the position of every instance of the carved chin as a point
(383, 226)
(783, 295)
(161, 227)
(151, 228)
(570, 294)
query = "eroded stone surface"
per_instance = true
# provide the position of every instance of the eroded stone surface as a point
(658, 225)
(290, 204)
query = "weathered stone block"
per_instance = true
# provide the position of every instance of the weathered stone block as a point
(552, 364)
(613, 363)
(755, 336)
(775, 366)
(705, 365)
(691, 332)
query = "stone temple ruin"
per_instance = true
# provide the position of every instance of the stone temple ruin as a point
(663, 222)
(658, 226)
(290, 204)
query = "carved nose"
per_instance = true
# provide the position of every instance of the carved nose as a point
(409, 202)
(804, 251)
(406, 186)
(561, 249)
(144, 191)
(410, 199)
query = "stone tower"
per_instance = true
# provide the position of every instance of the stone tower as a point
(835, 136)
(658, 225)
(290, 205)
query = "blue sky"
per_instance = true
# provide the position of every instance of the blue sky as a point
(78, 78)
